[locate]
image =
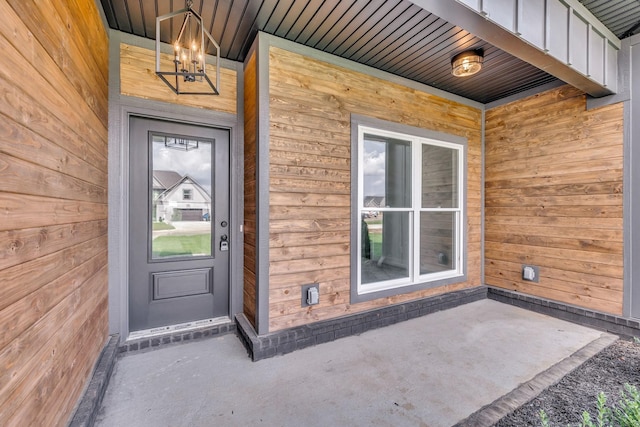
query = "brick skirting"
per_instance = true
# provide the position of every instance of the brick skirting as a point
(607, 322)
(288, 340)
(87, 410)
(176, 337)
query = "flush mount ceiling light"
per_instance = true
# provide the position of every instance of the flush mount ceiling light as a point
(467, 63)
(189, 73)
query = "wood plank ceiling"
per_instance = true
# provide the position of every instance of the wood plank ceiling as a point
(391, 35)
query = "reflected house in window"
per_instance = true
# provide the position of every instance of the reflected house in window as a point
(374, 202)
(163, 180)
(179, 198)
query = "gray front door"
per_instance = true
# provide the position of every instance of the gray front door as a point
(179, 224)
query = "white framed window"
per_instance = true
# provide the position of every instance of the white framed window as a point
(409, 217)
(186, 194)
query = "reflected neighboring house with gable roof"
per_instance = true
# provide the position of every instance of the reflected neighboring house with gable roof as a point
(374, 203)
(179, 198)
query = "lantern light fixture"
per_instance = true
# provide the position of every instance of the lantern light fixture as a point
(189, 73)
(181, 144)
(467, 63)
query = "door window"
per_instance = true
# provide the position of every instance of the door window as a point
(181, 197)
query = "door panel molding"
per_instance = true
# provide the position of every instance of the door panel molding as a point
(182, 283)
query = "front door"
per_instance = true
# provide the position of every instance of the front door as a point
(178, 224)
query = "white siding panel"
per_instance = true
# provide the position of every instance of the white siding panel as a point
(597, 45)
(502, 12)
(579, 33)
(531, 21)
(558, 30)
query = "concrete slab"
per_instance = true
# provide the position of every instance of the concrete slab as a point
(431, 371)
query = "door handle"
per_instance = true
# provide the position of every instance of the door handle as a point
(224, 243)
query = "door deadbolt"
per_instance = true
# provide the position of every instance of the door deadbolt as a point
(224, 244)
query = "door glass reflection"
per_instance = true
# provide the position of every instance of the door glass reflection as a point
(181, 197)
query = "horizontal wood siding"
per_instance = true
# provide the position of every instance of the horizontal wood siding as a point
(53, 199)
(554, 198)
(310, 109)
(250, 160)
(138, 78)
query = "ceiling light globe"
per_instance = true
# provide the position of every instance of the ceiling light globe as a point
(467, 63)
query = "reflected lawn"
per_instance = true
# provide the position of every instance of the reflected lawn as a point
(157, 226)
(376, 244)
(173, 246)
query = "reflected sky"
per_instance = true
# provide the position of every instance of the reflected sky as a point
(373, 167)
(195, 162)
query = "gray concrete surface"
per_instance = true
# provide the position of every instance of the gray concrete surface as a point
(432, 371)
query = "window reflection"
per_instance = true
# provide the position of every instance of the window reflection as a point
(439, 177)
(437, 241)
(181, 197)
(385, 247)
(387, 184)
(387, 172)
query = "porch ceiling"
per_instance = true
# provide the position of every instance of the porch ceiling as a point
(622, 17)
(391, 35)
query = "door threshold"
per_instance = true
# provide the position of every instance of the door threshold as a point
(188, 326)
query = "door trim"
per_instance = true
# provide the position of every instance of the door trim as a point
(120, 114)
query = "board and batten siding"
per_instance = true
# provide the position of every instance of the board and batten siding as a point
(53, 206)
(310, 107)
(138, 79)
(554, 199)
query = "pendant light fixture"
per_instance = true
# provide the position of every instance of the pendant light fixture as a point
(188, 73)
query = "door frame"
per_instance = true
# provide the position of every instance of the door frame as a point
(121, 109)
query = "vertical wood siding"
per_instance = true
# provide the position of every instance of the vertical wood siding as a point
(250, 196)
(554, 198)
(53, 206)
(138, 78)
(310, 109)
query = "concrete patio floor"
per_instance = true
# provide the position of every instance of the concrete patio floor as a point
(432, 371)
